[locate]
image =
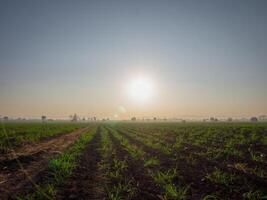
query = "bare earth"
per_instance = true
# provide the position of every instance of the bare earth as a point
(21, 168)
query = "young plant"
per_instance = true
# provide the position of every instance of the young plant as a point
(221, 177)
(61, 168)
(176, 193)
(163, 178)
(254, 195)
(151, 162)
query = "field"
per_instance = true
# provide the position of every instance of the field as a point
(14, 134)
(126, 160)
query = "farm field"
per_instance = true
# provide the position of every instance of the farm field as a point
(27, 148)
(133, 100)
(14, 134)
(136, 161)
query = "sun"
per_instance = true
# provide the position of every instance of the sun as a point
(140, 89)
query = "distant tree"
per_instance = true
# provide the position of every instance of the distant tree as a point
(74, 118)
(5, 118)
(133, 119)
(253, 119)
(262, 117)
(43, 118)
(94, 118)
(229, 119)
(154, 118)
(213, 119)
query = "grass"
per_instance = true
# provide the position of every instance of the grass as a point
(220, 177)
(14, 134)
(227, 158)
(118, 185)
(122, 189)
(165, 177)
(254, 195)
(240, 145)
(151, 162)
(258, 157)
(170, 190)
(134, 151)
(174, 192)
(61, 168)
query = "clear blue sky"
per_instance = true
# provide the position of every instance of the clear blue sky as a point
(206, 58)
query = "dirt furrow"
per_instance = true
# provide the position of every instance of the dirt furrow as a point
(86, 181)
(190, 175)
(147, 189)
(156, 153)
(24, 167)
(194, 173)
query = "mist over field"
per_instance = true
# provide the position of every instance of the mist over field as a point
(133, 100)
(175, 59)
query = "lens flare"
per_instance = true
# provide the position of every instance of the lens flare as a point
(140, 89)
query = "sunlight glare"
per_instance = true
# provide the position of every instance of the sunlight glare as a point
(140, 89)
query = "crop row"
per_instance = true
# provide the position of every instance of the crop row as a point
(150, 161)
(13, 135)
(226, 179)
(166, 179)
(59, 169)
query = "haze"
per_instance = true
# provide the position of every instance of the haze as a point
(204, 58)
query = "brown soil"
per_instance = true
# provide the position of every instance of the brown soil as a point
(86, 181)
(21, 168)
(190, 175)
(146, 188)
(194, 174)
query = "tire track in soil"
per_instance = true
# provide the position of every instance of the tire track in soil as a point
(146, 188)
(34, 160)
(194, 174)
(86, 183)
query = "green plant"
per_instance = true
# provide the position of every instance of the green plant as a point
(165, 177)
(176, 193)
(61, 167)
(121, 190)
(14, 134)
(151, 162)
(254, 195)
(220, 177)
(258, 157)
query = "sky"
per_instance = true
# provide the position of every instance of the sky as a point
(200, 58)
